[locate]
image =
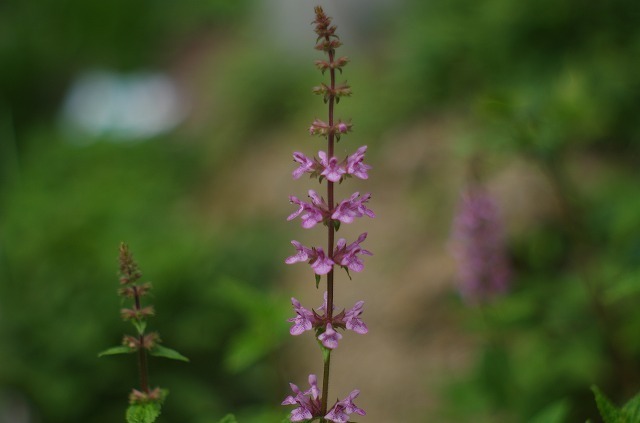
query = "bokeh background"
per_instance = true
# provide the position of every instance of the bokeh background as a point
(170, 125)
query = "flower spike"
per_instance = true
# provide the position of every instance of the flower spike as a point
(312, 405)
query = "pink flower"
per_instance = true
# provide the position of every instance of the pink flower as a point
(340, 412)
(309, 404)
(304, 319)
(320, 263)
(347, 255)
(317, 318)
(480, 247)
(302, 253)
(353, 207)
(352, 319)
(342, 127)
(355, 166)
(330, 337)
(314, 212)
(332, 171)
(306, 165)
(330, 167)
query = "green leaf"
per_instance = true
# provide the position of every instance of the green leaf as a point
(143, 413)
(140, 325)
(160, 351)
(317, 281)
(346, 269)
(260, 335)
(608, 411)
(553, 413)
(336, 224)
(631, 410)
(121, 349)
(229, 418)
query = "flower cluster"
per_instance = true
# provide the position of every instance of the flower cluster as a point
(312, 404)
(321, 321)
(346, 256)
(317, 210)
(479, 246)
(330, 168)
(310, 407)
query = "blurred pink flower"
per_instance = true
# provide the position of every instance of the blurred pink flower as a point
(479, 247)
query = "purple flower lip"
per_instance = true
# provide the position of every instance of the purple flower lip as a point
(340, 412)
(330, 337)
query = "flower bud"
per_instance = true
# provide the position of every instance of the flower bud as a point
(139, 397)
(150, 340)
(131, 342)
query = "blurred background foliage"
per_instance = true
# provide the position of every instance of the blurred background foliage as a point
(553, 84)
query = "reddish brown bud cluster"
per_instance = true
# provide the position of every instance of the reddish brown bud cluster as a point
(129, 276)
(342, 90)
(324, 29)
(337, 64)
(319, 127)
(139, 397)
(328, 42)
(132, 291)
(328, 46)
(135, 314)
(147, 341)
(129, 272)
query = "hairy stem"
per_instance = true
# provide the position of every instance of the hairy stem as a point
(143, 368)
(330, 235)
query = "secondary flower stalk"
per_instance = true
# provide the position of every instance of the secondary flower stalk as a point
(312, 403)
(145, 400)
(479, 246)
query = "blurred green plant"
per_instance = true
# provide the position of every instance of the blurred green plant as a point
(550, 75)
(229, 418)
(66, 204)
(628, 413)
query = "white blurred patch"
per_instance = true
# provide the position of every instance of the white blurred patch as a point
(132, 106)
(14, 408)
